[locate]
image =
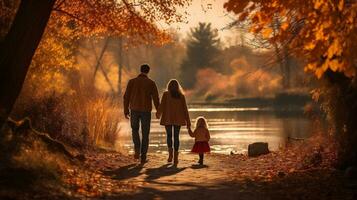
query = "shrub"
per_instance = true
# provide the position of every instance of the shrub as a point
(78, 120)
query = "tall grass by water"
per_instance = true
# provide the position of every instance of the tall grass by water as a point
(79, 120)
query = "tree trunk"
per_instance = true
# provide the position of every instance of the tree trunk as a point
(120, 65)
(18, 48)
(341, 101)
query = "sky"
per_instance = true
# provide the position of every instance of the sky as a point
(210, 11)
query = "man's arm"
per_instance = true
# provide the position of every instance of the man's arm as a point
(127, 95)
(160, 109)
(155, 96)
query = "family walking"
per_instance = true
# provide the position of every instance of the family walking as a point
(140, 94)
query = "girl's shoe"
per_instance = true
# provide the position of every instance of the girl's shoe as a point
(200, 162)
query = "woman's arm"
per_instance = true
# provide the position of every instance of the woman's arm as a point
(187, 115)
(192, 134)
(161, 108)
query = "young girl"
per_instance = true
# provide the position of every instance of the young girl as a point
(202, 136)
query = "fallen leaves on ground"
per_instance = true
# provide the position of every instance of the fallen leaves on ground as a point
(89, 181)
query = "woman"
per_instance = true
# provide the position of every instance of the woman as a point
(174, 113)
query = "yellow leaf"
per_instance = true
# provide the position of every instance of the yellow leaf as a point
(319, 72)
(334, 65)
(340, 5)
(334, 49)
(320, 33)
(326, 24)
(255, 29)
(284, 26)
(318, 4)
(309, 46)
(266, 32)
(310, 67)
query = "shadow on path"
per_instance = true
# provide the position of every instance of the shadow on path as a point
(197, 166)
(296, 186)
(126, 172)
(164, 170)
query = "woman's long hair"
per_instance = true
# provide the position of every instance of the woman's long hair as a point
(174, 88)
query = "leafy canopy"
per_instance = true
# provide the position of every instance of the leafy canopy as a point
(322, 32)
(72, 20)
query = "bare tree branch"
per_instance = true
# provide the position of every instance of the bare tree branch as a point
(71, 15)
(99, 59)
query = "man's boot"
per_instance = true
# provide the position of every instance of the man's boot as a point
(176, 157)
(171, 151)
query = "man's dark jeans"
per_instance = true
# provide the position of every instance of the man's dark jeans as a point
(144, 118)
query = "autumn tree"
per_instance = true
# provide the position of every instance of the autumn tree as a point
(203, 47)
(323, 34)
(89, 17)
(282, 54)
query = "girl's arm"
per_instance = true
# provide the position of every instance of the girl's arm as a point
(208, 136)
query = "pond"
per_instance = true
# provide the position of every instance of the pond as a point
(232, 129)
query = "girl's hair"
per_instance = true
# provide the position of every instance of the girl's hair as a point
(174, 88)
(201, 122)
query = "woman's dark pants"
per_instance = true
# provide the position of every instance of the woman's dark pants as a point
(176, 130)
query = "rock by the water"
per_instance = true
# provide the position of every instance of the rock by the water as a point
(257, 149)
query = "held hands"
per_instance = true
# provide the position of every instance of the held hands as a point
(188, 126)
(190, 131)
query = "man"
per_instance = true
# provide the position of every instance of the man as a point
(138, 97)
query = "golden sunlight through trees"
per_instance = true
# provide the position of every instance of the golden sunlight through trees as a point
(324, 33)
(178, 99)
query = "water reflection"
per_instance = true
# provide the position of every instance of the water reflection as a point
(232, 129)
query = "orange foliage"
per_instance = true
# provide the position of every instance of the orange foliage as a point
(238, 84)
(134, 19)
(73, 20)
(322, 32)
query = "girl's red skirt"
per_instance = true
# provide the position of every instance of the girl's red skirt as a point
(201, 147)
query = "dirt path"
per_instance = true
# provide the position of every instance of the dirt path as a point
(159, 179)
(222, 177)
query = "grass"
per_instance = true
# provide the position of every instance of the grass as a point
(79, 120)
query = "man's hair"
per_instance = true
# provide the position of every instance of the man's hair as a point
(144, 68)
